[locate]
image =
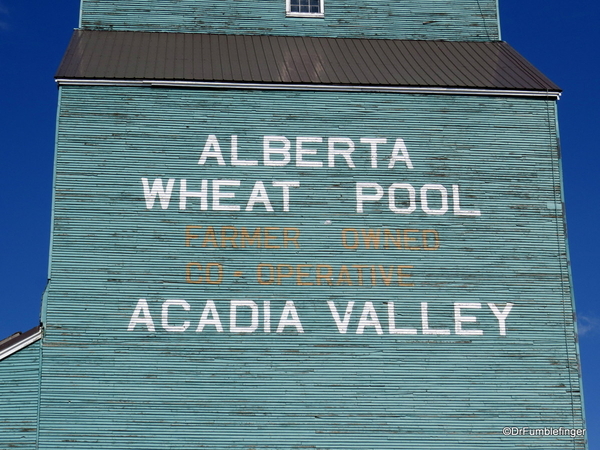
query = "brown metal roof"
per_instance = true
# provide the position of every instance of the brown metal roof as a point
(132, 55)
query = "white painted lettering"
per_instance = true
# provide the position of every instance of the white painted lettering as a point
(373, 142)
(412, 198)
(501, 316)
(361, 197)
(425, 203)
(267, 316)
(285, 186)
(235, 161)
(301, 151)
(425, 322)
(392, 322)
(259, 195)
(141, 315)
(399, 146)
(184, 194)
(460, 319)
(456, 203)
(369, 318)
(233, 326)
(165, 315)
(212, 149)
(268, 151)
(289, 317)
(157, 189)
(210, 309)
(342, 325)
(346, 152)
(218, 195)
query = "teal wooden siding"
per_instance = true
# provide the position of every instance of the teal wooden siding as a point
(113, 382)
(19, 398)
(465, 20)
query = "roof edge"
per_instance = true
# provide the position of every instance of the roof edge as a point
(313, 87)
(19, 341)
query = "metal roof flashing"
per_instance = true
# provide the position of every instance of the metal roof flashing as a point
(128, 58)
(18, 341)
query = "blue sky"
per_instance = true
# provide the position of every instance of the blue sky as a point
(560, 38)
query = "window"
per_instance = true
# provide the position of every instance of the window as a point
(304, 8)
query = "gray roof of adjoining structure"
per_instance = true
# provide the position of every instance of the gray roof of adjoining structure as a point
(132, 55)
(17, 341)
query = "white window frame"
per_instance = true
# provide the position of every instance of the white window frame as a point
(289, 13)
